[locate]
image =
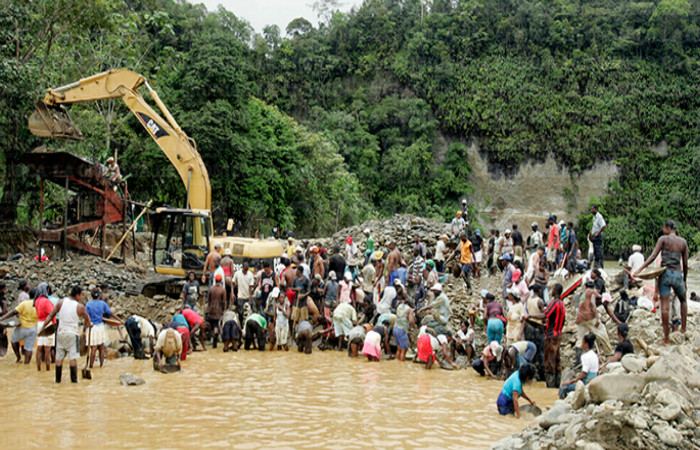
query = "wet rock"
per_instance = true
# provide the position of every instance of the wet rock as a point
(128, 379)
(633, 363)
(614, 387)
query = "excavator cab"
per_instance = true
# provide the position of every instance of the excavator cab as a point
(53, 122)
(180, 240)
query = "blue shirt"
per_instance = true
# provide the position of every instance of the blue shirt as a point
(179, 318)
(512, 384)
(96, 309)
(403, 274)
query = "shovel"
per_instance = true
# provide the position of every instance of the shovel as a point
(53, 121)
(87, 374)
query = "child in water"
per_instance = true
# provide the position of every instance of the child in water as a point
(507, 402)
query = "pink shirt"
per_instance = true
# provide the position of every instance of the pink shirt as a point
(344, 292)
(192, 317)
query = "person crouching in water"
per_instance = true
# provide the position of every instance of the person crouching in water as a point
(356, 337)
(372, 348)
(255, 326)
(230, 330)
(304, 337)
(168, 348)
(507, 402)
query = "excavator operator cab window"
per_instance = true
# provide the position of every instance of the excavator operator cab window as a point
(181, 240)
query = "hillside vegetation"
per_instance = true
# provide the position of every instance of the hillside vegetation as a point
(383, 100)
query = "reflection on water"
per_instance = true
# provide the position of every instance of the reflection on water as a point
(251, 400)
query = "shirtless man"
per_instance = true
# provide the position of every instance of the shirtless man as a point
(210, 264)
(227, 265)
(393, 263)
(674, 256)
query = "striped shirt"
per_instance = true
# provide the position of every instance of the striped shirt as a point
(556, 315)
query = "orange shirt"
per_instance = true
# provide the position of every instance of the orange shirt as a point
(466, 252)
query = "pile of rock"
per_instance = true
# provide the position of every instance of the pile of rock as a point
(650, 403)
(86, 271)
(400, 229)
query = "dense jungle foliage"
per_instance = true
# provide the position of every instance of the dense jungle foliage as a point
(383, 98)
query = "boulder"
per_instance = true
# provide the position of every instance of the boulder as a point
(676, 362)
(614, 387)
(578, 398)
(667, 435)
(128, 379)
(633, 363)
(558, 414)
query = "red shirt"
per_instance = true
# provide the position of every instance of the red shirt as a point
(556, 315)
(43, 308)
(553, 237)
(192, 317)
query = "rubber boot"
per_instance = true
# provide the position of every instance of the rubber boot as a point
(215, 340)
(74, 374)
(59, 370)
(557, 379)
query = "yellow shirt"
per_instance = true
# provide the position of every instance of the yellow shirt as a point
(27, 314)
(466, 252)
(291, 249)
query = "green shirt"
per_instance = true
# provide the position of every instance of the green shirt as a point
(259, 319)
(370, 245)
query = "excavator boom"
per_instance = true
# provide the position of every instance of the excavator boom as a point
(52, 120)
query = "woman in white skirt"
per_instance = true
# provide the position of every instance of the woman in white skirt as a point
(97, 310)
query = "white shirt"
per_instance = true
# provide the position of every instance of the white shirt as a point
(384, 306)
(536, 239)
(589, 362)
(243, 281)
(462, 336)
(307, 270)
(635, 261)
(439, 249)
(598, 223)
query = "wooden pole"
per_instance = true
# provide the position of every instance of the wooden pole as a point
(133, 224)
(65, 224)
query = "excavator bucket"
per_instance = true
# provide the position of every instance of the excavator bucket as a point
(53, 122)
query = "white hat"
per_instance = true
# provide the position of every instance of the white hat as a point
(636, 248)
(507, 231)
(366, 231)
(534, 224)
(561, 222)
(285, 255)
(348, 276)
(275, 292)
(332, 275)
(299, 249)
(464, 201)
(227, 251)
(436, 287)
(496, 349)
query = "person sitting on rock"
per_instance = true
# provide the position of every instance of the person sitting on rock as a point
(589, 367)
(625, 347)
(463, 342)
(168, 348)
(507, 402)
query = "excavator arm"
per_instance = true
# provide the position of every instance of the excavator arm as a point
(52, 120)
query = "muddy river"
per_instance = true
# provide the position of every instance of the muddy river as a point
(251, 400)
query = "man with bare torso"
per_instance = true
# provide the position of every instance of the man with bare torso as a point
(393, 263)
(674, 256)
(227, 265)
(210, 264)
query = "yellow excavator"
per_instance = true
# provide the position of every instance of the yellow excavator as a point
(182, 237)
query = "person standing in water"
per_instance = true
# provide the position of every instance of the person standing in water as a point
(674, 257)
(68, 310)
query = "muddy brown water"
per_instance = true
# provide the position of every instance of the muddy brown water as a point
(252, 400)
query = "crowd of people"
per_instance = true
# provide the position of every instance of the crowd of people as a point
(375, 304)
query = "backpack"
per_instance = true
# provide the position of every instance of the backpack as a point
(170, 344)
(622, 310)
